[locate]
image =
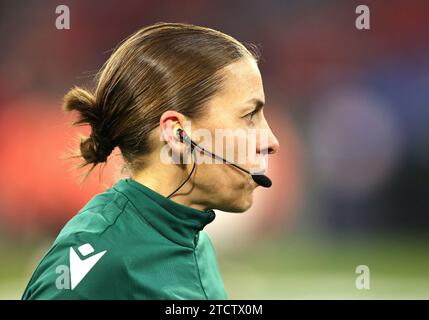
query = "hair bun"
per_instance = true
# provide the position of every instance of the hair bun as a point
(98, 146)
(82, 101)
(103, 146)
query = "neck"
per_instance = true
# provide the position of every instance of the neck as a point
(165, 178)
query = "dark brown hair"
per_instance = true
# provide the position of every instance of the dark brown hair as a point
(165, 66)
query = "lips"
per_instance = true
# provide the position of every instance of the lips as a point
(258, 170)
(261, 167)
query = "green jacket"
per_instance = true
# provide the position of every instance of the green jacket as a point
(130, 242)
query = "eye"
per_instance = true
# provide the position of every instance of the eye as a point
(250, 115)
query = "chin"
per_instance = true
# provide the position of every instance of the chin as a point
(238, 205)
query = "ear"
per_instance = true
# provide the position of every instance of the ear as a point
(169, 123)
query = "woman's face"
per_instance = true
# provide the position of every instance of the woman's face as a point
(235, 112)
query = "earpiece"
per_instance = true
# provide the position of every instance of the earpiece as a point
(180, 134)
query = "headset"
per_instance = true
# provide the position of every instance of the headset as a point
(260, 179)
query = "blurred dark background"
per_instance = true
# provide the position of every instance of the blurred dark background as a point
(350, 108)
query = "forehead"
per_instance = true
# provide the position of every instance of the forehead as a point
(242, 82)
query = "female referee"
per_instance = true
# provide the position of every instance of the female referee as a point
(143, 238)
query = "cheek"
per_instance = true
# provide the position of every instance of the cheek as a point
(222, 178)
(228, 190)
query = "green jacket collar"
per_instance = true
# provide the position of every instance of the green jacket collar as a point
(173, 220)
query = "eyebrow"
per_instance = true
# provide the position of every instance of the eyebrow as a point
(259, 104)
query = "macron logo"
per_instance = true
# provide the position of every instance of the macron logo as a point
(79, 268)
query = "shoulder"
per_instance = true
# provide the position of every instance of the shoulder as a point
(97, 216)
(86, 260)
(77, 270)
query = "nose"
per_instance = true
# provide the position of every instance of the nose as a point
(273, 144)
(268, 144)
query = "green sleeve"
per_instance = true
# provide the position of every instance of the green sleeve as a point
(79, 268)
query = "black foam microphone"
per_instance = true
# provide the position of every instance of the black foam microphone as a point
(260, 179)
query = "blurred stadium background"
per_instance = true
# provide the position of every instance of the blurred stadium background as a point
(350, 109)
